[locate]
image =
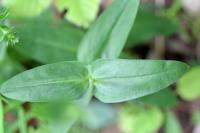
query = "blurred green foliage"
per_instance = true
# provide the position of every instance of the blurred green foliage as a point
(139, 119)
(80, 12)
(50, 32)
(188, 86)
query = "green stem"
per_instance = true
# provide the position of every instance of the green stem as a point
(1, 118)
(22, 121)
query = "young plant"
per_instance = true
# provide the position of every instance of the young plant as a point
(98, 71)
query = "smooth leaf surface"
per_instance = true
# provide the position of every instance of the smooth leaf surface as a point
(196, 116)
(64, 80)
(9, 68)
(3, 48)
(148, 25)
(60, 119)
(26, 8)
(120, 80)
(166, 97)
(47, 41)
(188, 86)
(99, 115)
(108, 35)
(80, 12)
(139, 119)
(172, 124)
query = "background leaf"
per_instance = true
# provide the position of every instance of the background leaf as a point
(172, 124)
(120, 80)
(148, 25)
(26, 8)
(80, 12)
(98, 115)
(138, 119)
(64, 80)
(3, 48)
(166, 97)
(9, 68)
(188, 86)
(110, 30)
(47, 41)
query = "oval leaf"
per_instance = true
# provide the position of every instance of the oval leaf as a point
(120, 80)
(65, 80)
(108, 35)
(48, 42)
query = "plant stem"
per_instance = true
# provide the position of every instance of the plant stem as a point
(22, 121)
(1, 118)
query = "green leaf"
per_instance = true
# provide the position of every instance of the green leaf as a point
(99, 115)
(3, 14)
(108, 35)
(188, 86)
(120, 80)
(148, 25)
(26, 8)
(172, 124)
(9, 68)
(3, 48)
(138, 119)
(64, 80)
(80, 12)
(47, 41)
(61, 118)
(196, 116)
(1, 35)
(1, 118)
(166, 99)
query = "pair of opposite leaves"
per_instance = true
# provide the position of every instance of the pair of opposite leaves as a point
(110, 79)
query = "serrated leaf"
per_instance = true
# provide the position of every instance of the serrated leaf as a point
(108, 35)
(48, 42)
(64, 80)
(188, 86)
(26, 8)
(80, 12)
(120, 80)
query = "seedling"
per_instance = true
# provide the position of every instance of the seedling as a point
(97, 72)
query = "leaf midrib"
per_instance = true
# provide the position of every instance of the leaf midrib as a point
(133, 76)
(106, 40)
(48, 82)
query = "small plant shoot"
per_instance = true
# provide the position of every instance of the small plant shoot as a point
(64, 75)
